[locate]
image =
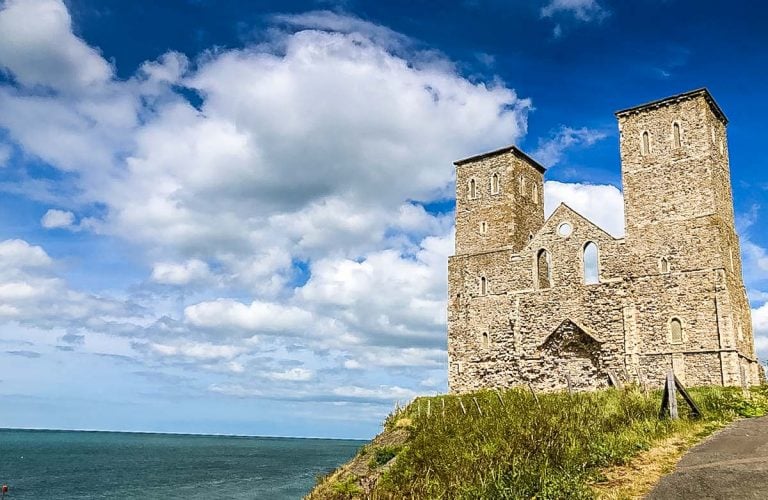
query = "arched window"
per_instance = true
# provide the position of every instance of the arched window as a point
(522, 185)
(535, 193)
(664, 265)
(483, 285)
(495, 184)
(646, 146)
(675, 331)
(591, 264)
(676, 135)
(543, 269)
(472, 188)
(486, 340)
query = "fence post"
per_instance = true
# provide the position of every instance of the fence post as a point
(669, 398)
(498, 395)
(442, 400)
(478, 406)
(535, 397)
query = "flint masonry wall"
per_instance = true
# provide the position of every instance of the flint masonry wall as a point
(517, 315)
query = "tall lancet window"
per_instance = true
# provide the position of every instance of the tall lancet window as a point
(543, 269)
(646, 145)
(591, 264)
(675, 331)
(483, 286)
(495, 184)
(472, 188)
(676, 135)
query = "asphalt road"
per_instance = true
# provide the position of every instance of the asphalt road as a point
(731, 464)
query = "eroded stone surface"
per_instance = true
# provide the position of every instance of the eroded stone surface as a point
(509, 324)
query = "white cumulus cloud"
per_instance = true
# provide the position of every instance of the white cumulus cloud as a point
(169, 273)
(602, 204)
(54, 218)
(37, 45)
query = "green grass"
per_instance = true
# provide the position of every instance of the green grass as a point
(521, 448)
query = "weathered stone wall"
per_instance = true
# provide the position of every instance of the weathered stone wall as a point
(518, 315)
(504, 218)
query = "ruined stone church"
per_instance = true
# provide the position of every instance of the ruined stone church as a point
(560, 301)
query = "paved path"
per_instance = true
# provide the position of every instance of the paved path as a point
(732, 464)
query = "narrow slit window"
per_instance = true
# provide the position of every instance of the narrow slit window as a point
(543, 269)
(730, 253)
(522, 185)
(676, 134)
(675, 331)
(646, 146)
(591, 264)
(483, 286)
(664, 265)
(472, 188)
(495, 184)
(535, 194)
(486, 340)
(483, 227)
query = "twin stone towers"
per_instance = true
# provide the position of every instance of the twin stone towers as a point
(558, 301)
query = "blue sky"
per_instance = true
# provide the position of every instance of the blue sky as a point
(234, 217)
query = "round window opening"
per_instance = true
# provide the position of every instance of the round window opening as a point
(564, 229)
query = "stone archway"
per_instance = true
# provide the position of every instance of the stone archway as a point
(570, 351)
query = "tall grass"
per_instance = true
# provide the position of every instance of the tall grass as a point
(552, 446)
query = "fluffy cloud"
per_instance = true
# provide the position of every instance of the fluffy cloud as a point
(293, 375)
(191, 271)
(196, 350)
(284, 208)
(32, 294)
(38, 47)
(760, 327)
(57, 219)
(258, 317)
(603, 204)
(16, 255)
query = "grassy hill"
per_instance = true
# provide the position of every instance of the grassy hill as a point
(512, 444)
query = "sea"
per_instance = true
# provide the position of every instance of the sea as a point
(39, 464)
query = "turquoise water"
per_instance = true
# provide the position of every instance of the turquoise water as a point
(69, 464)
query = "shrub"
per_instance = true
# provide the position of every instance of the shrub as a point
(382, 455)
(346, 488)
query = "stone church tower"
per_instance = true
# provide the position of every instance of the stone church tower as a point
(546, 301)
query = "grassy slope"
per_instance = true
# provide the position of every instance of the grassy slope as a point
(516, 446)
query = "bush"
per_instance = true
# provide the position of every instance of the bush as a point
(346, 488)
(382, 455)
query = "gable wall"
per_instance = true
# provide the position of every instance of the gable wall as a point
(679, 207)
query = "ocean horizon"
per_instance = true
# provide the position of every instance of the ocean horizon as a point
(60, 463)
